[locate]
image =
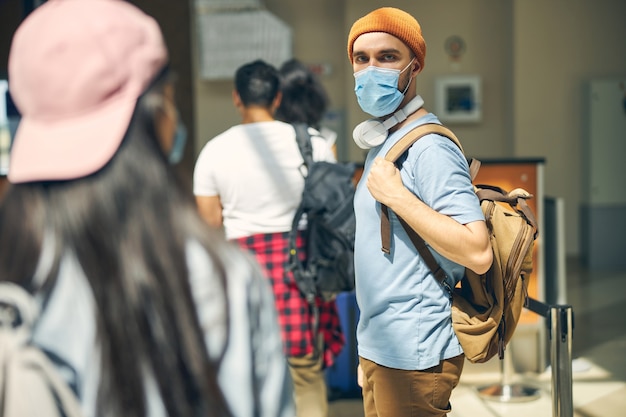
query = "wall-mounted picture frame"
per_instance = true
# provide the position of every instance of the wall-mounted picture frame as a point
(458, 98)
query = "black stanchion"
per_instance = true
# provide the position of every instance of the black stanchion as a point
(561, 317)
(561, 324)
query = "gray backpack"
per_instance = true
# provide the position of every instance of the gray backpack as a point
(29, 382)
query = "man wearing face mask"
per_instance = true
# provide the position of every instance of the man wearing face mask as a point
(410, 359)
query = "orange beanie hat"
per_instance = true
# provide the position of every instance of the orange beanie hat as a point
(394, 22)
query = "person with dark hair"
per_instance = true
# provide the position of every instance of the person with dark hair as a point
(409, 355)
(248, 181)
(304, 99)
(145, 310)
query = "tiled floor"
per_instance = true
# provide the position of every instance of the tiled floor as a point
(598, 367)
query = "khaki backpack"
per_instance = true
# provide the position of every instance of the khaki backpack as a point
(30, 385)
(485, 308)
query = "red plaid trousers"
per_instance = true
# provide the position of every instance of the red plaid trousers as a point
(294, 313)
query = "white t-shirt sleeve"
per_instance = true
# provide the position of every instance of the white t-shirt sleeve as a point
(203, 179)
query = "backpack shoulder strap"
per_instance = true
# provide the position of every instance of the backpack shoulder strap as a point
(392, 155)
(303, 139)
(24, 368)
(414, 135)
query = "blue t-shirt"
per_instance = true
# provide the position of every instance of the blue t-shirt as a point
(405, 320)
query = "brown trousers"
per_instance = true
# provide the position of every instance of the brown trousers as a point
(310, 392)
(391, 392)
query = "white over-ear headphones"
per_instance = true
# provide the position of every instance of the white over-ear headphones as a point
(373, 132)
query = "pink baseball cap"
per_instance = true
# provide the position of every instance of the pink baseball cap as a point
(76, 70)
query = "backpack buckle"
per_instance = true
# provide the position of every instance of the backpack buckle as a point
(447, 287)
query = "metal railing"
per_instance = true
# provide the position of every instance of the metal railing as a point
(560, 320)
(560, 323)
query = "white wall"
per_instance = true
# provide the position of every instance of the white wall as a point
(318, 34)
(559, 45)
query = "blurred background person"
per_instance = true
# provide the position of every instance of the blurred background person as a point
(146, 311)
(304, 100)
(248, 181)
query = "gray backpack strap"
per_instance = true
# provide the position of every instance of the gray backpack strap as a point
(303, 139)
(29, 383)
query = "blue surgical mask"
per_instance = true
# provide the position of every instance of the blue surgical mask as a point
(377, 91)
(178, 145)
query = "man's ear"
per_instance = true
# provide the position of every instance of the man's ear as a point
(416, 68)
(276, 101)
(237, 99)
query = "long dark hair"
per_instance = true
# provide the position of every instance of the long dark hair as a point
(304, 97)
(128, 225)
